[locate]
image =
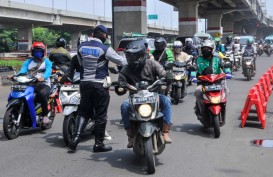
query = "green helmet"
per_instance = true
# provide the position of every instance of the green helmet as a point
(217, 39)
(249, 41)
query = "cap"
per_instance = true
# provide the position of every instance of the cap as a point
(100, 28)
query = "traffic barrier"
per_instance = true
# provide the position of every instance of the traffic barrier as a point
(253, 98)
(265, 89)
(58, 107)
(270, 75)
(259, 88)
(268, 84)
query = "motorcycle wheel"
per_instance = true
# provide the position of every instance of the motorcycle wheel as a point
(177, 95)
(216, 125)
(149, 155)
(51, 116)
(68, 127)
(11, 131)
(248, 74)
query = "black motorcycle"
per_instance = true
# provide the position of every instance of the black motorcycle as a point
(248, 65)
(146, 119)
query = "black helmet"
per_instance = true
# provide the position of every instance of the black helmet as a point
(160, 44)
(229, 39)
(135, 54)
(60, 42)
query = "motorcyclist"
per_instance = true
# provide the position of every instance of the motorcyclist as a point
(39, 61)
(190, 49)
(250, 49)
(140, 68)
(208, 63)
(237, 46)
(219, 47)
(229, 44)
(161, 53)
(60, 56)
(94, 58)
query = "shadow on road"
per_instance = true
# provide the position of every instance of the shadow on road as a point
(116, 122)
(194, 129)
(124, 159)
(23, 132)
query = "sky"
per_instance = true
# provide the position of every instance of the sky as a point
(166, 14)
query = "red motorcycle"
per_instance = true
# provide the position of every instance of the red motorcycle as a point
(213, 113)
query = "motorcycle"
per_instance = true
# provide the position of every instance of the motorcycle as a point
(146, 119)
(23, 109)
(213, 113)
(237, 60)
(268, 50)
(227, 65)
(179, 88)
(248, 65)
(260, 50)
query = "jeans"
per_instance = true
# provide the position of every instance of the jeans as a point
(165, 105)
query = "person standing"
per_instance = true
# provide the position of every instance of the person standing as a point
(94, 57)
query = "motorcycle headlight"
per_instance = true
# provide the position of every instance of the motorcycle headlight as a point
(145, 110)
(64, 97)
(75, 99)
(178, 77)
(215, 100)
(248, 63)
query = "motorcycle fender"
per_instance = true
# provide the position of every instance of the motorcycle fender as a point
(69, 109)
(215, 109)
(178, 84)
(13, 102)
(146, 129)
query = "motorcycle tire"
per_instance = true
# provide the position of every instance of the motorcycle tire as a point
(177, 95)
(248, 74)
(216, 125)
(68, 127)
(11, 131)
(149, 155)
(51, 116)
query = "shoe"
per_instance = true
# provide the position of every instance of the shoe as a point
(74, 143)
(75, 140)
(60, 137)
(130, 138)
(166, 131)
(100, 147)
(107, 136)
(121, 121)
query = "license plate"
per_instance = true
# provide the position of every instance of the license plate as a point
(70, 87)
(213, 87)
(18, 87)
(143, 100)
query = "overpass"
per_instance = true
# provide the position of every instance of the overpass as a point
(224, 16)
(26, 16)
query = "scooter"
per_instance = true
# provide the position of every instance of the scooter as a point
(146, 119)
(23, 109)
(260, 50)
(268, 50)
(237, 60)
(213, 113)
(248, 65)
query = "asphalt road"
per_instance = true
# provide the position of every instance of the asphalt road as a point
(194, 151)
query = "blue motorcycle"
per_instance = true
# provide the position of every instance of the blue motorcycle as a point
(23, 109)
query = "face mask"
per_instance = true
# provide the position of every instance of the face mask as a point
(206, 53)
(38, 54)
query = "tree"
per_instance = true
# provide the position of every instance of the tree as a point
(8, 39)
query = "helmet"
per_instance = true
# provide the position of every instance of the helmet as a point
(208, 44)
(229, 39)
(160, 43)
(177, 46)
(237, 39)
(38, 50)
(101, 33)
(60, 42)
(188, 42)
(135, 54)
(249, 41)
(217, 39)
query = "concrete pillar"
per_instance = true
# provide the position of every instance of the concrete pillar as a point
(227, 23)
(74, 40)
(128, 16)
(214, 23)
(251, 29)
(260, 33)
(24, 39)
(188, 18)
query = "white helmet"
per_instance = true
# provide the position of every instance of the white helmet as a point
(208, 43)
(236, 39)
(188, 41)
(177, 44)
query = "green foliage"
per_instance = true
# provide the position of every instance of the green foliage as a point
(48, 37)
(12, 63)
(8, 39)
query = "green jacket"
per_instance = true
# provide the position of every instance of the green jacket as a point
(203, 63)
(167, 56)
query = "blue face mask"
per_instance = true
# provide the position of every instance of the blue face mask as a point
(39, 54)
